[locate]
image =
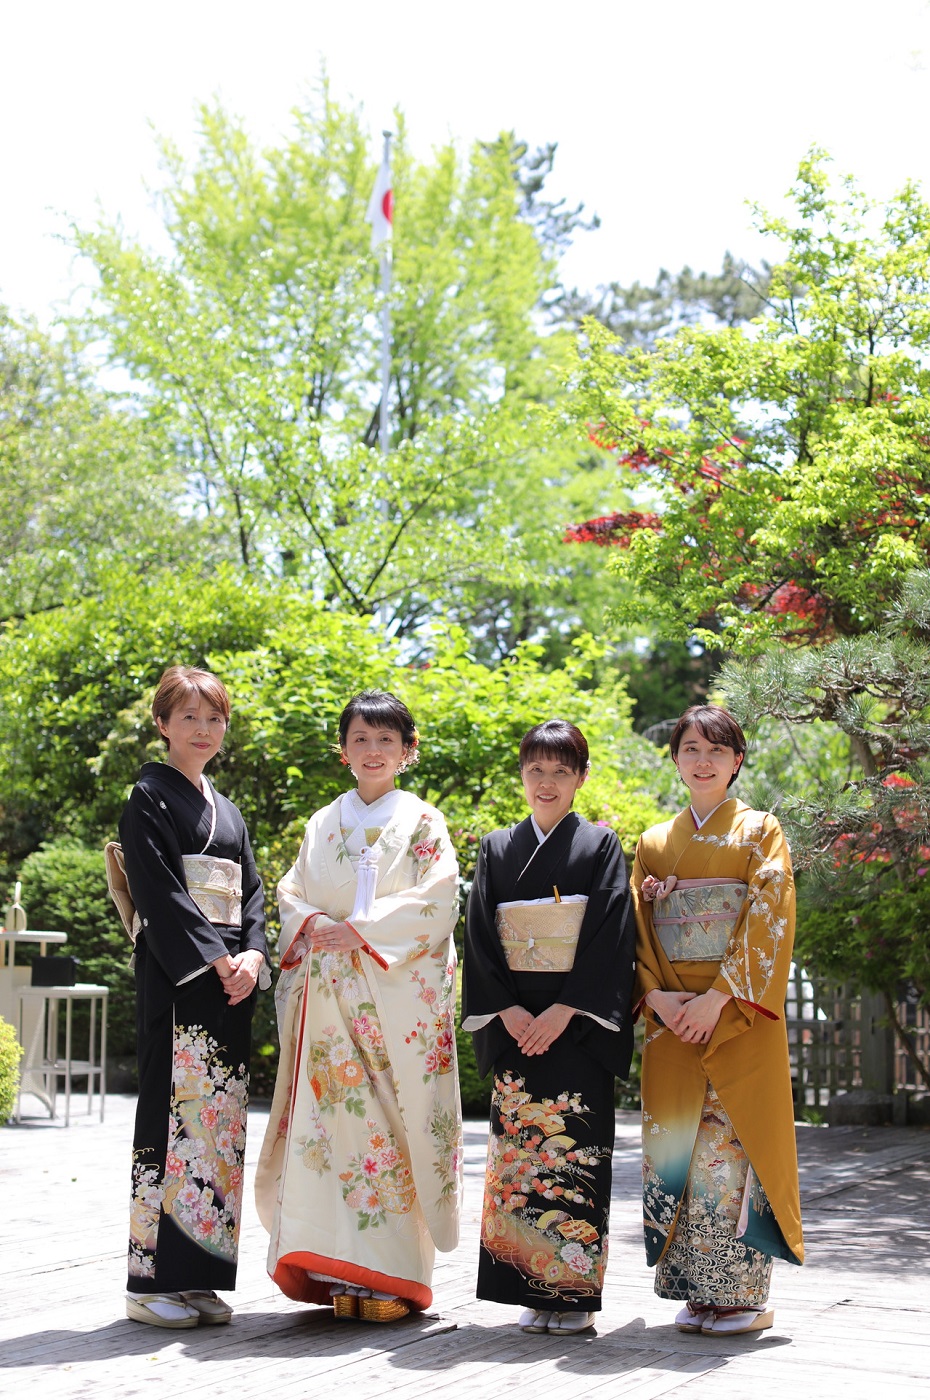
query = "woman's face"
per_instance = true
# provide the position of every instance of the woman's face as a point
(550, 786)
(705, 766)
(374, 754)
(195, 733)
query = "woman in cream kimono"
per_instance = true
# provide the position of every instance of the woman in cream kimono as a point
(714, 900)
(359, 1178)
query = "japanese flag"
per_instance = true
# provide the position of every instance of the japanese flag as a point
(381, 206)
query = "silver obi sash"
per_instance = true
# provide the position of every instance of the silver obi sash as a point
(215, 886)
(695, 920)
(540, 935)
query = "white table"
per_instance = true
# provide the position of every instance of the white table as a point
(38, 1008)
(14, 975)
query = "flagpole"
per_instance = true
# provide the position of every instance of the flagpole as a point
(384, 416)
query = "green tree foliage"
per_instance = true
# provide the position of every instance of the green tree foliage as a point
(864, 837)
(639, 315)
(75, 727)
(67, 674)
(787, 460)
(83, 486)
(255, 345)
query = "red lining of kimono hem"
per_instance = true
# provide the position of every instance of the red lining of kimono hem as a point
(291, 1277)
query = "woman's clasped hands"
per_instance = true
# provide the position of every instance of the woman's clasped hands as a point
(692, 1017)
(327, 937)
(239, 974)
(534, 1034)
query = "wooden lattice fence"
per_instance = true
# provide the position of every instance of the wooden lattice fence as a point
(840, 1040)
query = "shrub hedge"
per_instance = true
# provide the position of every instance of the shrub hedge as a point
(10, 1055)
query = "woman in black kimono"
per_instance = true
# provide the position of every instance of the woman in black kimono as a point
(200, 950)
(547, 994)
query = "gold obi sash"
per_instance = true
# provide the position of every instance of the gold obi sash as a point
(540, 935)
(215, 886)
(695, 921)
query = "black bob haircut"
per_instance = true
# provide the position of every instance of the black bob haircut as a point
(558, 740)
(381, 710)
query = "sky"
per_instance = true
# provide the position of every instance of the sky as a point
(669, 115)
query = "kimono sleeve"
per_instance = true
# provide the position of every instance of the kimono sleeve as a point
(487, 985)
(406, 924)
(651, 975)
(295, 909)
(180, 938)
(755, 967)
(253, 910)
(600, 982)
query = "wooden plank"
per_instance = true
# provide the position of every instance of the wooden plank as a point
(853, 1322)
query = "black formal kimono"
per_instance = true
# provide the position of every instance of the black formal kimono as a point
(193, 1047)
(549, 922)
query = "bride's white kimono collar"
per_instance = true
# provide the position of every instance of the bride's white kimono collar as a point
(363, 816)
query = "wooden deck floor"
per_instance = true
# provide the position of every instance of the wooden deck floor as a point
(854, 1322)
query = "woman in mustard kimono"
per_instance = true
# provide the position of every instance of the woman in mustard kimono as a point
(360, 1174)
(714, 897)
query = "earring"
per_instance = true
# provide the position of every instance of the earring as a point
(402, 767)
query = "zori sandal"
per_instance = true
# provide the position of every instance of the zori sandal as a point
(382, 1309)
(733, 1322)
(693, 1316)
(533, 1320)
(570, 1324)
(161, 1310)
(207, 1305)
(345, 1304)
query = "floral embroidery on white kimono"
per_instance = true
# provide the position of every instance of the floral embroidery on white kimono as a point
(361, 1169)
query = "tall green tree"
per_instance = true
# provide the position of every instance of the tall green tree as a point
(83, 485)
(784, 465)
(255, 344)
(862, 837)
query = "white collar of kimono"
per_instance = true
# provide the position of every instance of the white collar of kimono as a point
(364, 815)
(699, 821)
(542, 837)
(357, 813)
(207, 792)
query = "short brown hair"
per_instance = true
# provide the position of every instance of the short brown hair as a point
(179, 683)
(712, 722)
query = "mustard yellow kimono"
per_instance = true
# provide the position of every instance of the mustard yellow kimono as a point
(360, 1174)
(708, 1108)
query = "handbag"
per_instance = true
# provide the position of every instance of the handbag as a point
(119, 889)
